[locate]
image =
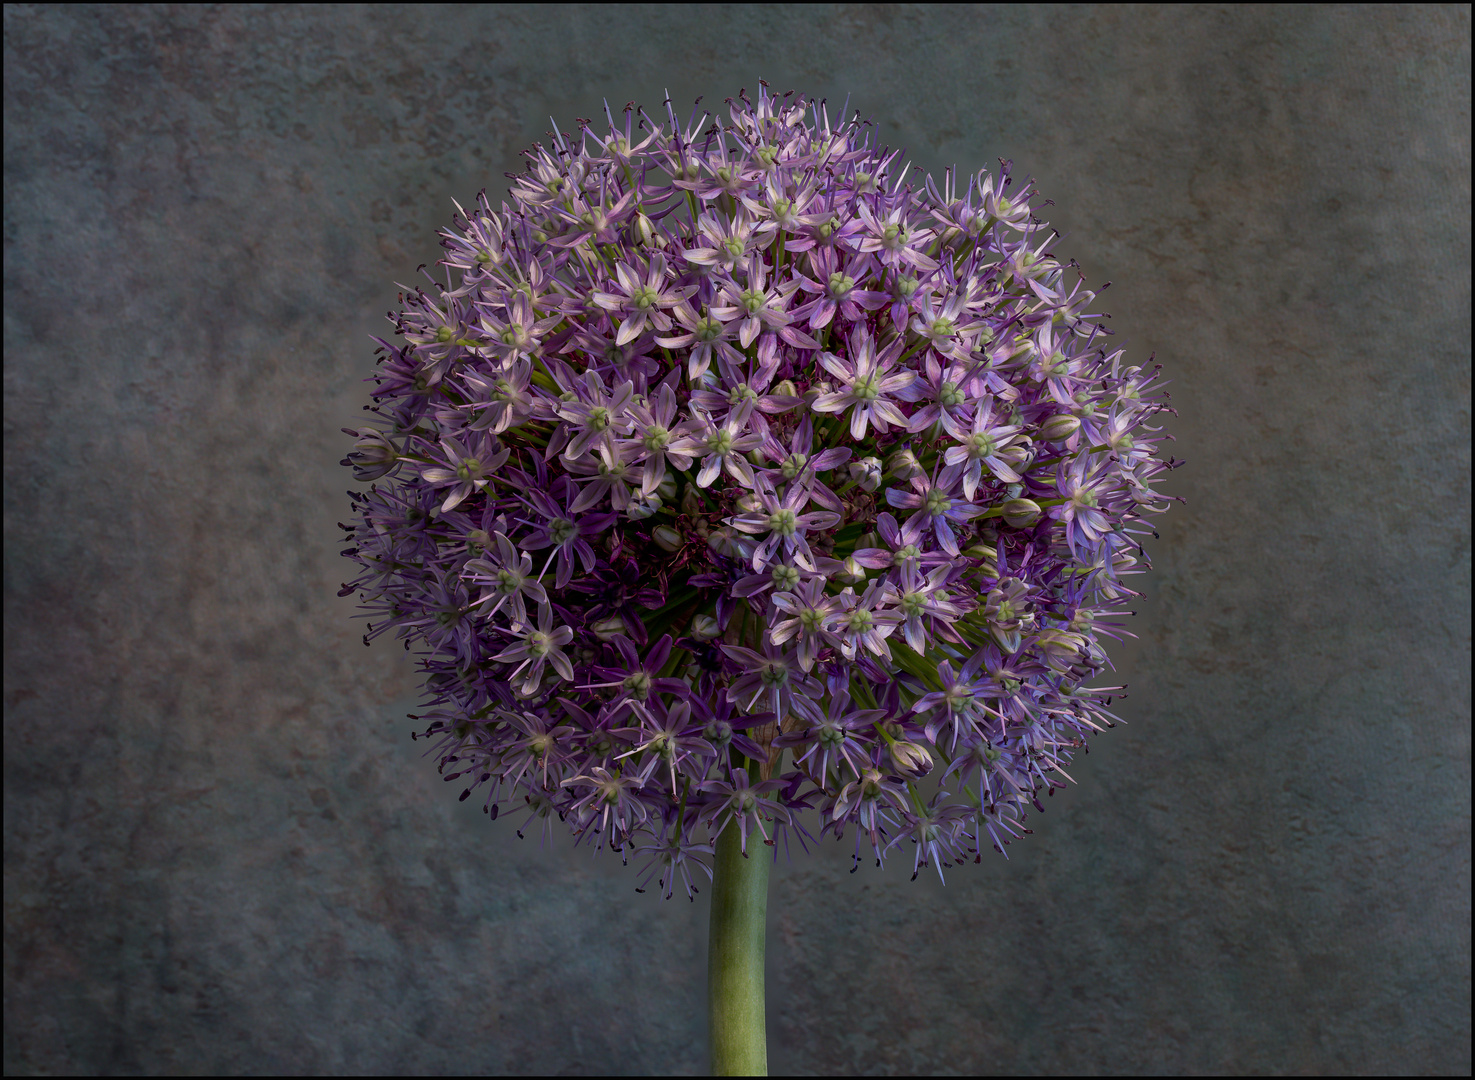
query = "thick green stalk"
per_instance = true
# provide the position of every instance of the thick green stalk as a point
(735, 958)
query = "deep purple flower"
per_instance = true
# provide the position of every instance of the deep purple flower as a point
(918, 603)
(773, 680)
(463, 471)
(936, 500)
(742, 801)
(987, 445)
(837, 289)
(810, 614)
(516, 331)
(536, 648)
(703, 334)
(784, 522)
(763, 314)
(802, 466)
(843, 734)
(655, 435)
(868, 381)
(638, 300)
(637, 678)
(678, 390)
(565, 532)
(862, 623)
(721, 446)
(508, 580)
(607, 803)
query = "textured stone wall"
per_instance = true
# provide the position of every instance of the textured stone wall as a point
(222, 851)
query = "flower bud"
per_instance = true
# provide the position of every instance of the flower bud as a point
(748, 504)
(608, 628)
(724, 542)
(911, 760)
(373, 455)
(821, 386)
(643, 506)
(1021, 513)
(1009, 640)
(868, 540)
(704, 628)
(666, 489)
(691, 501)
(1059, 427)
(904, 465)
(667, 538)
(644, 230)
(852, 573)
(786, 388)
(1061, 647)
(866, 473)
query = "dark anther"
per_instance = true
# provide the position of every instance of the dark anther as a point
(464, 795)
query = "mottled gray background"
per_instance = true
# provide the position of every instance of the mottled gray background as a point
(222, 852)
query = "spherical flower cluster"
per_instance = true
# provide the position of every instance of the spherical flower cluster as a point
(734, 481)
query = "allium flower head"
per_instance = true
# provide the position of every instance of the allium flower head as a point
(733, 477)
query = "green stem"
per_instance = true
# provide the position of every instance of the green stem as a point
(738, 1035)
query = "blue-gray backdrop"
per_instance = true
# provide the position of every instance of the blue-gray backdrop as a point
(222, 852)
